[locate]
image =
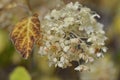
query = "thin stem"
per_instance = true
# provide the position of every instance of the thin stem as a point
(29, 6)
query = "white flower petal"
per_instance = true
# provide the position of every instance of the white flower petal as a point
(66, 48)
(82, 68)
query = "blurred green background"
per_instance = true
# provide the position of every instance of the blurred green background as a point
(14, 67)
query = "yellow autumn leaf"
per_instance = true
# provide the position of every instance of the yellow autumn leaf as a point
(25, 34)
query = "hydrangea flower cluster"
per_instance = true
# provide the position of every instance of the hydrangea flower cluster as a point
(72, 34)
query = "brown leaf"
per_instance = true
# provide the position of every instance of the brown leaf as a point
(25, 34)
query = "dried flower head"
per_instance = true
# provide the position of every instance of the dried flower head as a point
(107, 70)
(72, 34)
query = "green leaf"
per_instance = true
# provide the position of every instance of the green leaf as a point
(20, 73)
